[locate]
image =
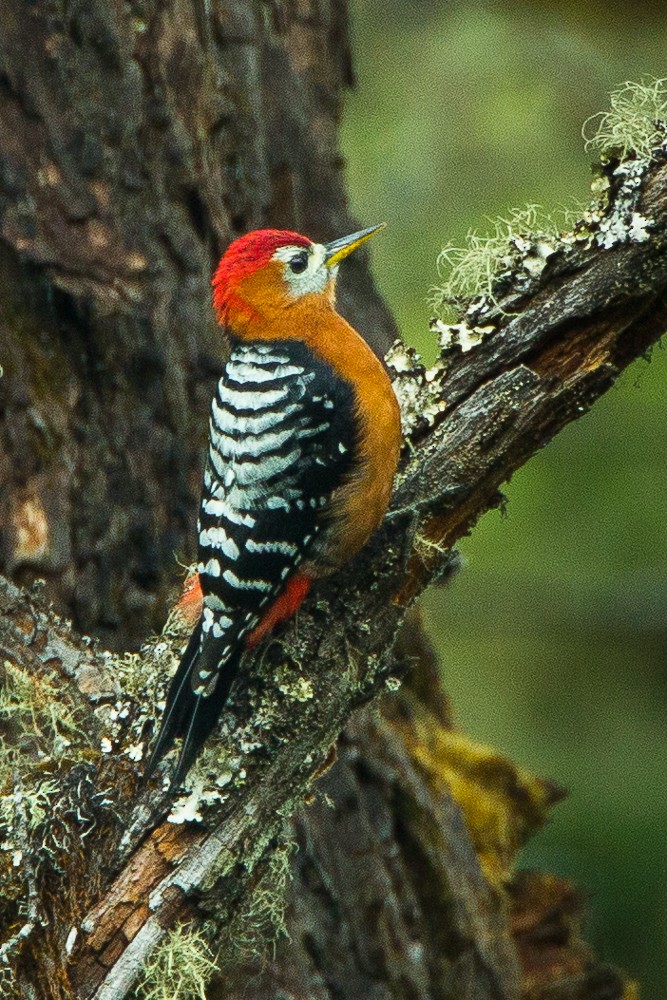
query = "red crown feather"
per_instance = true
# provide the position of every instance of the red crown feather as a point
(246, 255)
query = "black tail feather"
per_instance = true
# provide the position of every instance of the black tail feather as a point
(203, 718)
(190, 715)
(175, 707)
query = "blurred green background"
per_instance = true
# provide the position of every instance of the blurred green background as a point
(553, 639)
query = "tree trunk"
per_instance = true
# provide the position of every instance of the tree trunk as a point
(135, 142)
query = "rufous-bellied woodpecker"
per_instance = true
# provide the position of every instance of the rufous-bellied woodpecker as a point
(304, 443)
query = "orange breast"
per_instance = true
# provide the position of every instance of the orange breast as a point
(360, 504)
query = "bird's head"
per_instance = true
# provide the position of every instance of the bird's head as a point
(270, 270)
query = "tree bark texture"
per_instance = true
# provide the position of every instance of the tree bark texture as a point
(135, 142)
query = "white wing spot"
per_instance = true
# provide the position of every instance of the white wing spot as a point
(255, 472)
(213, 601)
(262, 349)
(249, 446)
(285, 548)
(240, 371)
(226, 421)
(234, 581)
(211, 568)
(222, 508)
(251, 400)
(309, 432)
(217, 538)
(277, 503)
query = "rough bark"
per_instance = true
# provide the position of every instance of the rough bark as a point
(137, 145)
(136, 141)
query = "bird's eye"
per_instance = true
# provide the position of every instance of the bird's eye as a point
(299, 262)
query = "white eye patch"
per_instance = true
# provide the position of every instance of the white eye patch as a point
(314, 277)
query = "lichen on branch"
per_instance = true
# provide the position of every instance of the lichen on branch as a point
(634, 124)
(629, 138)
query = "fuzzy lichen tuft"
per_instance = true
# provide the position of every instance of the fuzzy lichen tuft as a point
(635, 121)
(35, 707)
(255, 929)
(35, 803)
(507, 262)
(180, 967)
(525, 238)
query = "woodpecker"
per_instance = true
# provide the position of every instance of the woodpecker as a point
(304, 442)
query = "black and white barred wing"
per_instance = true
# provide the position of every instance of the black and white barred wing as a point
(280, 444)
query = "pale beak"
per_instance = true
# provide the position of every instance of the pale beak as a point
(337, 250)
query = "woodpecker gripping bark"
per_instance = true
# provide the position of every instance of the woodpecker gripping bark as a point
(304, 443)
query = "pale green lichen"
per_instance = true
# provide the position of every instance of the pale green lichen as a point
(49, 736)
(517, 247)
(136, 675)
(35, 705)
(180, 967)
(205, 786)
(256, 929)
(143, 679)
(144, 676)
(292, 685)
(42, 736)
(426, 549)
(269, 901)
(34, 801)
(524, 237)
(459, 336)
(635, 121)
